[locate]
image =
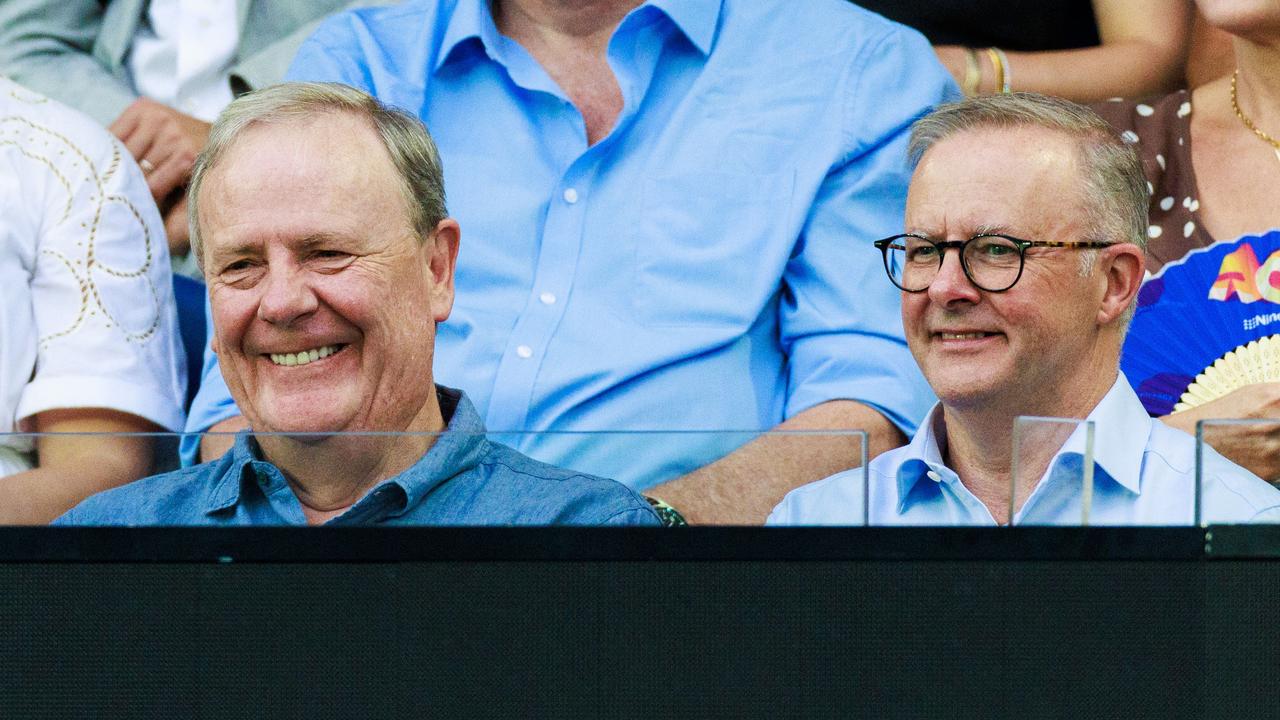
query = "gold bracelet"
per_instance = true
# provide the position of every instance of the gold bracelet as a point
(997, 67)
(1004, 73)
(972, 73)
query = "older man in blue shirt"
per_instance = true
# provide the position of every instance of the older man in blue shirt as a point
(1026, 223)
(318, 218)
(671, 205)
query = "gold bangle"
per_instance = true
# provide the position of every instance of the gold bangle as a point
(998, 67)
(1006, 70)
(972, 73)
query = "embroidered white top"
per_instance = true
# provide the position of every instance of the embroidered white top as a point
(87, 316)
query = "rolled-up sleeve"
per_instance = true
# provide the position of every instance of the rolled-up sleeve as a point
(840, 321)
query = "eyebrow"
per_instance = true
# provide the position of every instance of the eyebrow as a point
(983, 229)
(254, 245)
(990, 229)
(322, 238)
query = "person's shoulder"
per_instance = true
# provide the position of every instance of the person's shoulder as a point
(1229, 492)
(832, 31)
(172, 498)
(837, 499)
(869, 76)
(824, 27)
(821, 502)
(382, 21)
(28, 118)
(538, 492)
(1241, 495)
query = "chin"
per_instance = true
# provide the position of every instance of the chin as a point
(308, 414)
(962, 395)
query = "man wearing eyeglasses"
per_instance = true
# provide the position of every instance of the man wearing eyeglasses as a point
(1023, 256)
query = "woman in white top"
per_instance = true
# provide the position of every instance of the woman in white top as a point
(88, 330)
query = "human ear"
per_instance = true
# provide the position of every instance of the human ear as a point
(442, 249)
(1123, 266)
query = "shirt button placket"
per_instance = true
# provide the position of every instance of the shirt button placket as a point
(552, 280)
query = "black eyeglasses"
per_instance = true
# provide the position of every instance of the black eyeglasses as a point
(991, 262)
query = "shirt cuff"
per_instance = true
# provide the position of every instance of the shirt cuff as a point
(876, 371)
(144, 400)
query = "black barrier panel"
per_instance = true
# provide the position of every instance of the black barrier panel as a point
(1242, 639)
(570, 640)
(1108, 628)
(412, 544)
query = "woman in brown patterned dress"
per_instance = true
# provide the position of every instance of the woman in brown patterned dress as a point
(1212, 156)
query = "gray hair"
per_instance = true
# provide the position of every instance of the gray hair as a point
(406, 139)
(1115, 188)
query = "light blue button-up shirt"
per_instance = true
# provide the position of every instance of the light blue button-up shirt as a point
(1144, 474)
(707, 265)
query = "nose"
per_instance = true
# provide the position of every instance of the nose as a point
(951, 284)
(286, 296)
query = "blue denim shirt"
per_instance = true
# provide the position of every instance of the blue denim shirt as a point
(1144, 474)
(707, 265)
(464, 479)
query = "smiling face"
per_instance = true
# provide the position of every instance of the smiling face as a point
(1019, 348)
(324, 300)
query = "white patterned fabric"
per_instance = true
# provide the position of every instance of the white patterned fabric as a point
(87, 317)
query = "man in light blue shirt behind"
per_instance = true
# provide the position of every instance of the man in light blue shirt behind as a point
(669, 207)
(1027, 228)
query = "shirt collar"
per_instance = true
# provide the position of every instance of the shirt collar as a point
(457, 450)
(922, 454)
(697, 19)
(1121, 431)
(470, 19)
(229, 472)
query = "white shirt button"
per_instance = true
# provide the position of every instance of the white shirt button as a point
(571, 196)
(547, 298)
(934, 476)
(524, 351)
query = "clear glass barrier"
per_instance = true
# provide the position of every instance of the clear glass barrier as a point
(1226, 492)
(1052, 472)
(467, 478)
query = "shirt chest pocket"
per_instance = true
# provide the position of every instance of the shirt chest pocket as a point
(710, 248)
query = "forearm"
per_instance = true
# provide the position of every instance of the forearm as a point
(1097, 73)
(39, 495)
(745, 485)
(1141, 52)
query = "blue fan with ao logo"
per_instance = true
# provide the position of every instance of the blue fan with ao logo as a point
(1207, 324)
